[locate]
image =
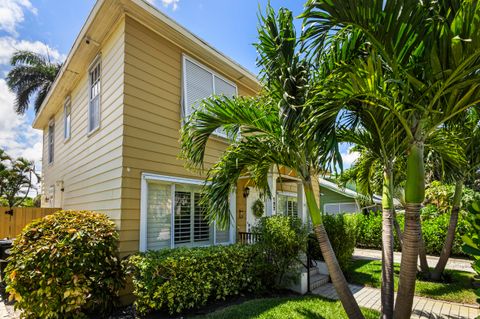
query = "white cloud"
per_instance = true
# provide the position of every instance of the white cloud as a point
(349, 158)
(17, 137)
(166, 3)
(12, 13)
(8, 45)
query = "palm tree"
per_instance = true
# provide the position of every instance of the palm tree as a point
(273, 130)
(468, 130)
(377, 133)
(32, 74)
(431, 52)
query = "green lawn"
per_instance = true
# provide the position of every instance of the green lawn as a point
(310, 307)
(368, 273)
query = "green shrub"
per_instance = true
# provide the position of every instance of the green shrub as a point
(281, 240)
(370, 230)
(65, 265)
(434, 230)
(342, 230)
(176, 280)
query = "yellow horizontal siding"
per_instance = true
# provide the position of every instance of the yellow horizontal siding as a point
(91, 166)
(152, 120)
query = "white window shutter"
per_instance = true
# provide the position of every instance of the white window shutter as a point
(225, 88)
(199, 85)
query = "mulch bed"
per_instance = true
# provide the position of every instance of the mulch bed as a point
(129, 312)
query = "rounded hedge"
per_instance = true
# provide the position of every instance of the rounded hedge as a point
(65, 265)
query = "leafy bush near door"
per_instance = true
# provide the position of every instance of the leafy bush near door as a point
(186, 278)
(65, 265)
(342, 230)
(281, 240)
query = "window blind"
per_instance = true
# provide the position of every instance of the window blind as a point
(159, 213)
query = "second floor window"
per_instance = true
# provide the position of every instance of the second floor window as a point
(94, 103)
(201, 83)
(51, 141)
(67, 120)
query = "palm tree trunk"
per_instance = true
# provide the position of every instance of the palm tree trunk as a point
(414, 196)
(447, 246)
(398, 230)
(422, 255)
(387, 295)
(338, 279)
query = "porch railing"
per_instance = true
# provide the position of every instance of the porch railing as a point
(247, 238)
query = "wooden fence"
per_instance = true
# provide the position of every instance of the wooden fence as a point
(12, 225)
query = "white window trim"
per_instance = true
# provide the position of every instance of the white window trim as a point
(214, 74)
(65, 138)
(338, 205)
(149, 177)
(96, 61)
(289, 194)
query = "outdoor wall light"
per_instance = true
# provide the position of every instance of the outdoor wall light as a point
(246, 192)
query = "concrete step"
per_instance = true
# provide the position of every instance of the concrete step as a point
(318, 280)
(314, 271)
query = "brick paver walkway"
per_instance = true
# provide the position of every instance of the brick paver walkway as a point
(453, 263)
(422, 307)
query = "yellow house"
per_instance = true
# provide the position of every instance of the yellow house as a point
(111, 126)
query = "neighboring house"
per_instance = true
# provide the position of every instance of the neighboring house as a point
(334, 199)
(111, 126)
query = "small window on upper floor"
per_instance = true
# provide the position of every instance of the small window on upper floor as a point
(51, 140)
(94, 95)
(199, 83)
(67, 119)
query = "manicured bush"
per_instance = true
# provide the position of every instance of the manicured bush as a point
(281, 240)
(370, 230)
(176, 280)
(434, 230)
(342, 230)
(65, 265)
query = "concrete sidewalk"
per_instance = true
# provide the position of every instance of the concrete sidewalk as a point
(422, 307)
(453, 263)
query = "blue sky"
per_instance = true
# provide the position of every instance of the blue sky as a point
(52, 26)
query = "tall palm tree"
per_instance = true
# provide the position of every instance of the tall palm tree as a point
(273, 130)
(423, 44)
(376, 131)
(32, 74)
(467, 128)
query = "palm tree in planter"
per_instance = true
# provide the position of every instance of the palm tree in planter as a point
(433, 54)
(273, 130)
(31, 74)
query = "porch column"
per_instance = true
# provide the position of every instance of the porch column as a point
(271, 203)
(233, 216)
(302, 203)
